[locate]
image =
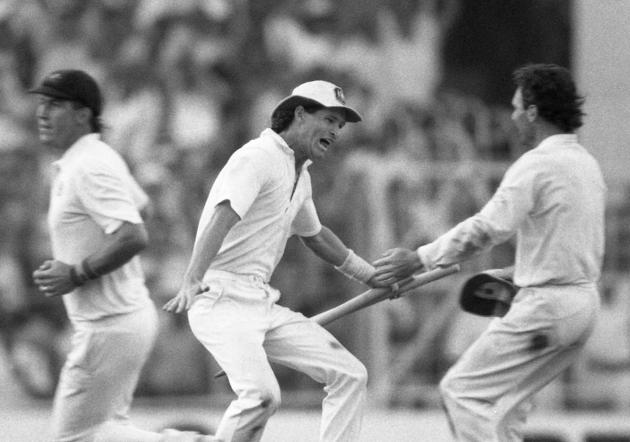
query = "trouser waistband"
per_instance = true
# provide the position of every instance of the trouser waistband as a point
(231, 276)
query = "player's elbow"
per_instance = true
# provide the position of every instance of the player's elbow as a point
(141, 240)
(134, 238)
(310, 241)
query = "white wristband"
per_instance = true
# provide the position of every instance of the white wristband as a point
(357, 268)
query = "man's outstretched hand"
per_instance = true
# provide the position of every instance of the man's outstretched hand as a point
(396, 264)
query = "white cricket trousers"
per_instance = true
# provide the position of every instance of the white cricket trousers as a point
(241, 325)
(487, 393)
(99, 377)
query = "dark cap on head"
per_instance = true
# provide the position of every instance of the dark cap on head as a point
(72, 85)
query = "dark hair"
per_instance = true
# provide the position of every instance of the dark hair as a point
(282, 118)
(96, 124)
(552, 90)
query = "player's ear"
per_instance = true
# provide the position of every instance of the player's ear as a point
(532, 113)
(83, 115)
(298, 112)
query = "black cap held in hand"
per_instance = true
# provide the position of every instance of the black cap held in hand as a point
(486, 295)
(72, 85)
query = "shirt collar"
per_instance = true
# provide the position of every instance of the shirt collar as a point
(78, 146)
(282, 145)
(554, 140)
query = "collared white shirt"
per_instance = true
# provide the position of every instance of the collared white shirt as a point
(92, 194)
(553, 199)
(259, 180)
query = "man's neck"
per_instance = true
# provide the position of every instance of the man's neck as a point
(293, 142)
(545, 131)
(70, 142)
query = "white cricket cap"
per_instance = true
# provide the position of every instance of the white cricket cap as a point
(319, 92)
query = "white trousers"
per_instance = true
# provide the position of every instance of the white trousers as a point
(486, 393)
(241, 325)
(99, 377)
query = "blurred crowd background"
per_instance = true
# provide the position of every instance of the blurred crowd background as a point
(187, 82)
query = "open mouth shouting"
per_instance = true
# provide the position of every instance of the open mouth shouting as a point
(325, 143)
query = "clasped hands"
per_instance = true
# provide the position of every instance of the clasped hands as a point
(393, 266)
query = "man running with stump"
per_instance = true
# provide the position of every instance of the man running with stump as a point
(260, 198)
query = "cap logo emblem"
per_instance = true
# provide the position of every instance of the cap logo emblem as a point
(339, 95)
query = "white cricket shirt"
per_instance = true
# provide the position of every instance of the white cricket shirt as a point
(259, 180)
(92, 194)
(553, 199)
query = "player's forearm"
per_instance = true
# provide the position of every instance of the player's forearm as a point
(210, 240)
(496, 223)
(327, 246)
(205, 250)
(331, 249)
(122, 245)
(461, 243)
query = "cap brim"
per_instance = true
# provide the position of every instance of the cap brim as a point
(50, 92)
(291, 102)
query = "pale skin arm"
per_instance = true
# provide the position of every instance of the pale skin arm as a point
(205, 250)
(327, 245)
(53, 276)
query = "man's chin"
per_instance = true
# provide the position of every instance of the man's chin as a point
(46, 141)
(318, 155)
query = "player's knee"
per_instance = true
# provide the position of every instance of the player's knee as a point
(447, 389)
(357, 375)
(270, 401)
(260, 400)
(361, 376)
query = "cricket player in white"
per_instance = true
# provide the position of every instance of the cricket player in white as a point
(260, 198)
(96, 234)
(553, 199)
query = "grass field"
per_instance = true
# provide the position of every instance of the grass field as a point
(23, 419)
(28, 422)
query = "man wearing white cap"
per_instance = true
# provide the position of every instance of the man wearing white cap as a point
(262, 197)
